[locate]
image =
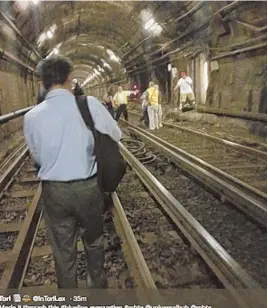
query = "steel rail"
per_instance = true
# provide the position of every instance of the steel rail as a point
(143, 278)
(17, 260)
(11, 157)
(229, 272)
(246, 198)
(12, 169)
(236, 146)
(19, 257)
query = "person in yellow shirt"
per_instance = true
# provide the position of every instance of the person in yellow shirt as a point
(153, 94)
(120, 103)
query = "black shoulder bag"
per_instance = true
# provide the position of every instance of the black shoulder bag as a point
(110, 163)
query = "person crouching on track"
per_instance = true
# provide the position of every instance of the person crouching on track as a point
(63, 147)
(159, 106)
(145, 118)
(153, 94)
(120, 102)
(109, 102)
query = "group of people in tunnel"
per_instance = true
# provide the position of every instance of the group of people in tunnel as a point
(151, 102)
(63, 146)
(151, 105)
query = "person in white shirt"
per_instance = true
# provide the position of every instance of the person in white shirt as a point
(185, 84)
(63, 148)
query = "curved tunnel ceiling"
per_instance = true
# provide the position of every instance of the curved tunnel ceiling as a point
(111, 37)
(84, 31)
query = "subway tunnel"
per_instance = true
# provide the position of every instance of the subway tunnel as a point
(221, 45)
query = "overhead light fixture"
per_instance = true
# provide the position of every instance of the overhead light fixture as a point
(35, 1)
(149, 23)
(152, 26)
(169, 67)
(49, 34)
(113, 57)
(56, 51)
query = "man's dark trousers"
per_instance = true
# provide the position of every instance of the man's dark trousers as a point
(121, 108)
(68, 207)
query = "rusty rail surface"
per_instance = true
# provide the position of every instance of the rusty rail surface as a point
(235, 146)
(248, 199)
(17, 260)
(229, 272)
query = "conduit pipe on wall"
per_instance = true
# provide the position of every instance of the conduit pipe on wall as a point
(13, 115)
(161, 58)
(191, 11)
(180, 18)
(8, 56)
(136, 46)
(256, 39)
(233, 53)
(187, 33)
(249, 26)
(17, 31)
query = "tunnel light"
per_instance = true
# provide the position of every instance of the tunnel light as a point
(113, 57)
(149, 23)
(49, 34)
(55, 51)
(97, 73)
(205, 76)
(169, 67)
(107, 65)
(35, 1)
(152, 26)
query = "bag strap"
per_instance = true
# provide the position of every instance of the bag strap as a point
(81, 102)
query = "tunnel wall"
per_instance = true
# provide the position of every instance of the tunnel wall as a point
(236, 83)
(16, 92)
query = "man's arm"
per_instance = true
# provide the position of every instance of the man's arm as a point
(177, 85)
(103, 120)
(189, 80)
(28, 135)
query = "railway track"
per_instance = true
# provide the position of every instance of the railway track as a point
(248, 199)
(152, 232)
(26, 257)
(245, 163)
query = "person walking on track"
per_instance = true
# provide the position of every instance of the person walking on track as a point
(120, 102)
(62, 145)
(153, 94)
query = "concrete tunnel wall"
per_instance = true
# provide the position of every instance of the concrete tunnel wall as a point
(238, 84)
(17, 91)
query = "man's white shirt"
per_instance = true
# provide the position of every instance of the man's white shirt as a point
(185, 85)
